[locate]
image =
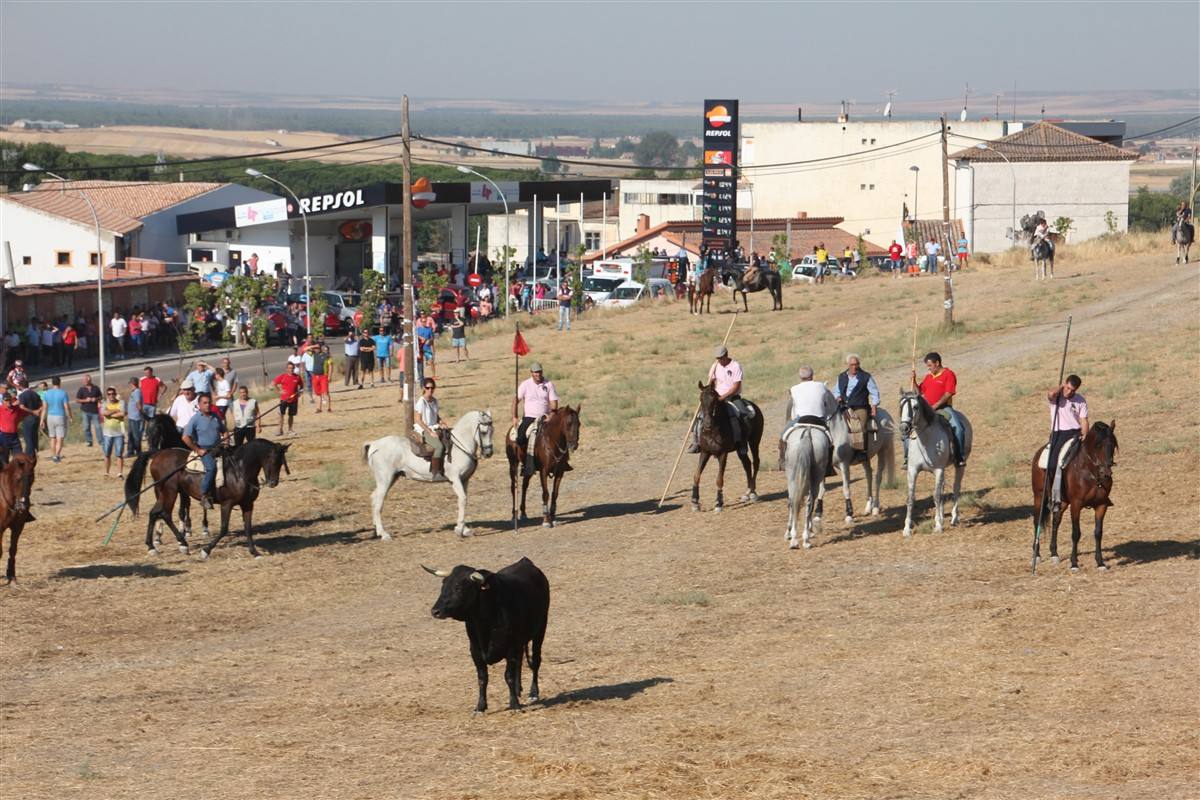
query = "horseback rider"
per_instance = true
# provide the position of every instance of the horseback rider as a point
(812, 402)
(202, 435)
(539, 398)
(1041, 233)
(938, 387)
(858, 394)
(428, 423)
(728, 376)
(1068, 422)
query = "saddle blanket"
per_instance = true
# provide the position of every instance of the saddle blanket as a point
(795, 426)
(197, 466)
(531, 432)
(1064, 455)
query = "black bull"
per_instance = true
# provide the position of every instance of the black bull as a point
(505, 612)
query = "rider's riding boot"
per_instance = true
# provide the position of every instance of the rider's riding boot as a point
(435, 467)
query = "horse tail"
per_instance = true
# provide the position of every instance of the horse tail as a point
(367, 452)
(887, 462)
(133, 481)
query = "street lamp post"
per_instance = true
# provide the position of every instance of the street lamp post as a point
(253, 173)
(1012, 169)
(507, 228)
(916, 171)
(99, 270)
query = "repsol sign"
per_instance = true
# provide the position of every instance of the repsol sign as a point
(332, 202)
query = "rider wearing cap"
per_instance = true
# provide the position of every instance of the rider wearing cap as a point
(727, 374)
(539, 398)
(938, 387)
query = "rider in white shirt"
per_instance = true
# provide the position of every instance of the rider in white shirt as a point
(811, 401)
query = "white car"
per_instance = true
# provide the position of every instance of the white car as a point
(624, 296)
(597, 288)
(806, 269)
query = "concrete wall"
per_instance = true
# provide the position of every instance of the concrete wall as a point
(869, 191)
(38, 236)
(1081, 190)
(159, 239)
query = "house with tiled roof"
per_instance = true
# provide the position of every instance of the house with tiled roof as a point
(802, 233)
(1042, 167)
(50, 229)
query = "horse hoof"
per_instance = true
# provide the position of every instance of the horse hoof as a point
(203, 554)
(1103, 568)
(695, 506)
(1074, 569)
(183, 548)
(717, 509)
(793, 545)
(749, 497)
(547, 524)
(258, 556)
(466, 532)
(808, 545)
(1053, 559)
(152, 552)
(849, 519)
(908, 533)
(385, 536)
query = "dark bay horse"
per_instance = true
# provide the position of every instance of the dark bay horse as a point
(16, 481)
(716, 439)
(766, 278)
(242, 466)
(1087, 481)
(701, 293)
(161, 433)
(556, 439)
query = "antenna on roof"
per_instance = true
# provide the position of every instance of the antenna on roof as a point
(160, 161)
(887, 110)
(966, 93)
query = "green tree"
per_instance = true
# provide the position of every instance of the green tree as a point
(1151, 211)
(198, 299)
(374, 287)
(1181, 186)
(432, 284)
(1064, 225)
(575, 278)
(657, 149)
(641, 265)
(318, 307)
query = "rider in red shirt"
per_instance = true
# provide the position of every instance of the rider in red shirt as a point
(938, 387)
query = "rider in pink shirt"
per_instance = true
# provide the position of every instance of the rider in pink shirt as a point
(727, 375)
(539, 398)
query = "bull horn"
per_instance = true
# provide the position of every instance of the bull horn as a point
(441, 573)
(477, 577)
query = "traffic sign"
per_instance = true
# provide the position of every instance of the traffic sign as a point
(475, 279)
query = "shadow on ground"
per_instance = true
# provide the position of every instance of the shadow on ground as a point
(612, 691)
(1146, 552)
(91, 572)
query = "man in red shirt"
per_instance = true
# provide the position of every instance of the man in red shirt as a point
(896, 254)
(11, 412)
(289, 384)
(938, 387)
(150, 387)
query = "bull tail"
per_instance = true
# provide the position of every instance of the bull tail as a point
(133, 482)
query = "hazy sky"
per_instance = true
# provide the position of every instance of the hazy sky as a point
(635, 51)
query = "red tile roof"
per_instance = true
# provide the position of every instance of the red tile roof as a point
(73, 207)
(1045, 141)
(120, 205)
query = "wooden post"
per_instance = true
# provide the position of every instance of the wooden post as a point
(948, 302)
(407, 267)
(1192, 195)
(947, 243)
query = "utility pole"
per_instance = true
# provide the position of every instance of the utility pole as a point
(1192, 196)
(947, 244)
(407, 267)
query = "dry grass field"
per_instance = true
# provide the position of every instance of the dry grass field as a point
(688, 655)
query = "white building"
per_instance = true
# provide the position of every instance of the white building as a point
(662, 201)
(857, 169)
(50, 232)
(1045, 168)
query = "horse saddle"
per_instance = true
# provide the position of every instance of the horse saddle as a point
(417, 442)
(1065, 454)
(750, 275)
(531, 432)
(858, 433)
(197, 466)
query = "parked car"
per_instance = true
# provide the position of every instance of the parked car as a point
(805, 269)
(624, 296)
(344, 304)
(597, 289)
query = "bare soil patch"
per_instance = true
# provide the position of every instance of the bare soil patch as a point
(688, 655)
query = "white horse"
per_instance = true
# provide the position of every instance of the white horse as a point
(392, 457)
(930, 449)
(880, 447)
(807, 451)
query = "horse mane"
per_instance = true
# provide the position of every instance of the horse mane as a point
(1098, 433)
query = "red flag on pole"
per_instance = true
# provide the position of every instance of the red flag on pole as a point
(519, 346)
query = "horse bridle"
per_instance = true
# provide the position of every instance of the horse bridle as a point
(486, 421)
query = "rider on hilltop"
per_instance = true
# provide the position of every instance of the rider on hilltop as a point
(539, 398)
(938, 387)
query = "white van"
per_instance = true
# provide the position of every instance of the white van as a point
(614, 268)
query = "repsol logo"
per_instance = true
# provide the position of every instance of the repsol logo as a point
(724, 133)
(331, 202)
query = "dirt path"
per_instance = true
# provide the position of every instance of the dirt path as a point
(688, 655)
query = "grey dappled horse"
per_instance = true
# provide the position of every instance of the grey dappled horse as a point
(880, 447)
(930, 449)
(807, 451)
(1182, 234)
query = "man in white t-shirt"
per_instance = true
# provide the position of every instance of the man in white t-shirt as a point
(932, 249)
(119, 328)
(810, 402)
(184, 406)
(428, 423)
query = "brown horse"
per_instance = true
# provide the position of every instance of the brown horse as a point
(556, 439)
(16, 481)
(242, 466)
(700, 292)
(716, 439)
(1086, 483)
